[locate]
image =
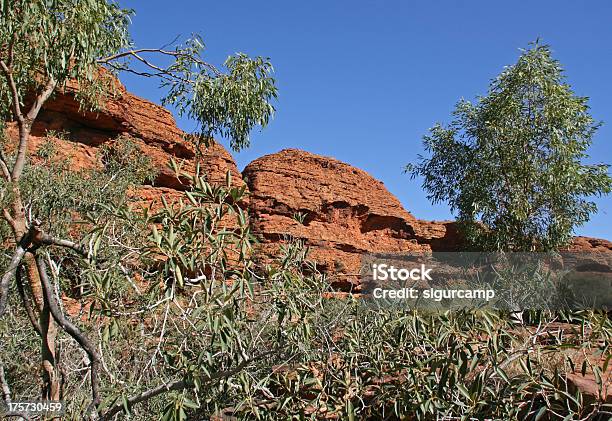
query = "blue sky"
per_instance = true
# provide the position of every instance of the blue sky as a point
(362, 81)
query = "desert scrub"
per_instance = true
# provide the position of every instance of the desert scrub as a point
(370, 364)
(181, 312)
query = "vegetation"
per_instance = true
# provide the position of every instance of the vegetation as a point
(186, 325)
(167, 314)
(512, 165)
(46, 45)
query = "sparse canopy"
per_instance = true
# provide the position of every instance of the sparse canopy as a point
(512, 164)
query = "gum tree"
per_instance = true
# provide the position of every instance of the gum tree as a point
(47, 44)
(512, 164)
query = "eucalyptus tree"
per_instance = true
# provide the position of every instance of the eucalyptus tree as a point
(512, 164)
(47, 44)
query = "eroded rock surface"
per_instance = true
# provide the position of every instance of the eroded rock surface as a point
(588, 244)
(340, 211)
(151, 126)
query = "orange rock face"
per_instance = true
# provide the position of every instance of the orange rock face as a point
(151, 126)
(340, 211)
(587, 244)
(345, 212)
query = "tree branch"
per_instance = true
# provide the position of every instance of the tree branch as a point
(8, 74)
(71, 329)
(121, 68)
(128, 53)
(33, 238)
(6, 214)
(26, 302)
(176, 54)
(23, 245)
(6, 390)
(179, 385)
(41, 99)
(4, 166)
(52, 241)
(25, 125)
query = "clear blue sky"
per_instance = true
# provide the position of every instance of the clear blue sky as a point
(362, 81)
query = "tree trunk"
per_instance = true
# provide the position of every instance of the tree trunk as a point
(51, 387)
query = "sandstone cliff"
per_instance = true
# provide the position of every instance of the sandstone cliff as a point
(151, 126)
(338, 210)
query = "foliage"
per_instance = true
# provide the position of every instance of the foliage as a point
(230, 104)
(512, 164)
(186, 305)
(364, 363)
(57, 195)
(57, 40)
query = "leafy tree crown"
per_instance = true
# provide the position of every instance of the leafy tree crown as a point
(512, 164)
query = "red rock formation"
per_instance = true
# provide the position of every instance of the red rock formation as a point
(587, 244)
(346, 212)
(152, 126)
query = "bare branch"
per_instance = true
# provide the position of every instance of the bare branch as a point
(52, 241)
(71, 329)
(133, 53)
(26, 302)
(124, 54)
(179, 385)
(176, 54)
(121, 68)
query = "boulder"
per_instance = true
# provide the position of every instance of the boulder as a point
(339, 211)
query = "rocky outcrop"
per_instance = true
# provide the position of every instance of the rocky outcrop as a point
(151, 126)
(591, 245)
(341, 212)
